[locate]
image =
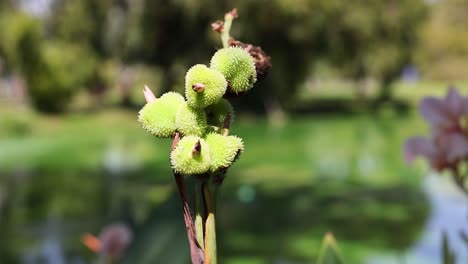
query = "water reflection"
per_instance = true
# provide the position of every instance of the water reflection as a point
(449, 213)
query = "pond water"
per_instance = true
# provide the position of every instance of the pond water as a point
(294, 183)
(449, 213)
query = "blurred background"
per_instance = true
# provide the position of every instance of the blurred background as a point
(323, 132)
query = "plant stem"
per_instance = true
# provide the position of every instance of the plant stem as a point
(199, 213)
(225, 36)
(210, 227)
(196, 252)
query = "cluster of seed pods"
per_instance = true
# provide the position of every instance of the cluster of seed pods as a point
(203, 117)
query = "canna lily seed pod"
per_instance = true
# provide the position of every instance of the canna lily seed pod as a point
(158, 117)
(237, 66)
(224, 150)
(191, 156)
(217, 113)
(204, 86)
(261, 59)
(190, 121)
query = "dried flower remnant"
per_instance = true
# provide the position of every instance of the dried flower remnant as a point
(217, 26)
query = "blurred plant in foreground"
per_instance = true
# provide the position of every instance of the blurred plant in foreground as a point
(329, 252)
(447, 148)
(111, 242)
(199, 126)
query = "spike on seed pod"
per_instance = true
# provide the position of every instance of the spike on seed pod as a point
(214, 86)
(196, 150)
(191, 156)
(190, 121)
(149, 95)
(158, 117)
(237, 66)
(198, 87)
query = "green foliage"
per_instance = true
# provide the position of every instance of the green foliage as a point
(212, 86)
(237, 66)
(191, 121)
(350, 35)
(443, 52)
(159, 116)
(329, 252)
(20, 41)
(65, 68)
(53, 70)
(358, 38)
(84, 21)
(191, 156)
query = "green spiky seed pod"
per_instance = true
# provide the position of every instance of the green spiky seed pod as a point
(224, 150)
(237, 66)
(217, 113)
(158, 117)
(204, 86)
(191, 156)
(190, 121)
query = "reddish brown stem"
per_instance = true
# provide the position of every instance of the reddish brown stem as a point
(196, 253)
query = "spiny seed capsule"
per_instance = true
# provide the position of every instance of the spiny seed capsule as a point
(224, 150)
(237, 66)
(190, 121)
(217, 113)
(191, 156)
(158, 117)
(204, 86)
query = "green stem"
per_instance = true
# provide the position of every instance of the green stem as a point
(199, 212)
(225, 36)
(210, 227)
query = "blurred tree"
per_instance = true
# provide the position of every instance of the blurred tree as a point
(65, 69)
(82, 21)
(92, 24)
(443, 53)
(20, 41)
(369, 38)
(360, 38)
(53, 71)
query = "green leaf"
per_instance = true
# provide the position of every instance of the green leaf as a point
(329, 252)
